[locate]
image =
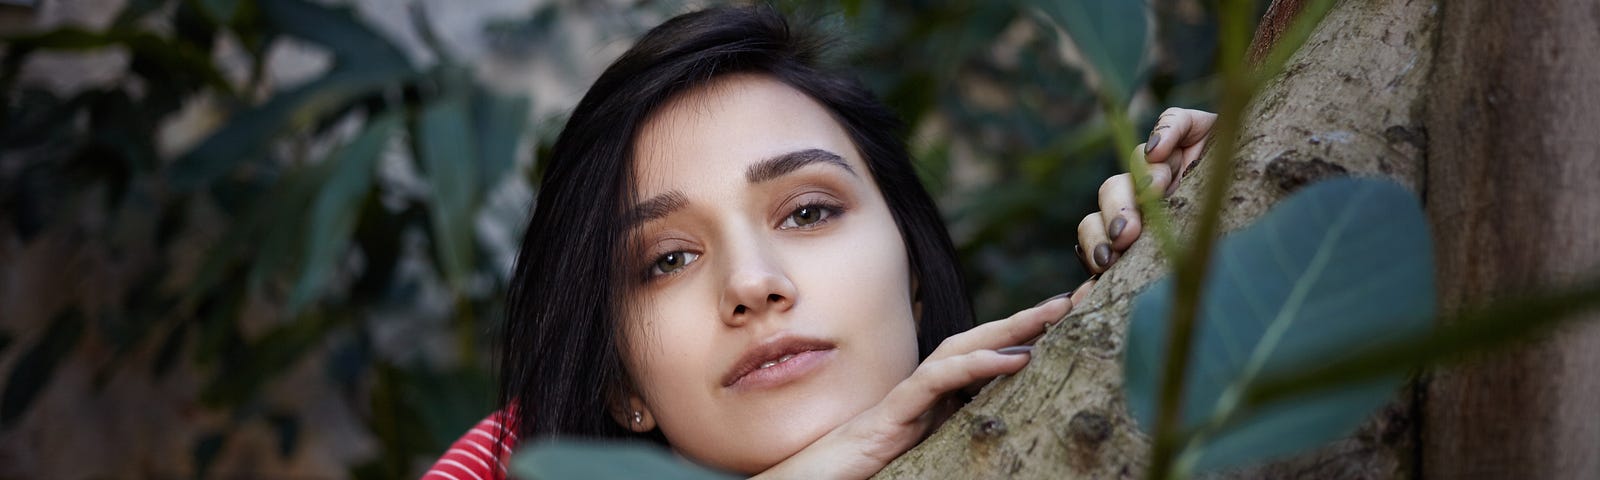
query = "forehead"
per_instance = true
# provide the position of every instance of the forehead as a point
(723, 126)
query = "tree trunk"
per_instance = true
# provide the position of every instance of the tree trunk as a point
(1349, 102)
(1514, 197)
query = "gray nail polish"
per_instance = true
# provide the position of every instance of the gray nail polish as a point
(1116, 227)
(1150, 145)
(1017, 350)
(1048, 300)
(1102, 255)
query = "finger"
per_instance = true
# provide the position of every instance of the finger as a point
(1187, 158)
(1017, 329)
(1096, 245)
(910, 399)
(1082, 292)
(1200, 123)
(1177, 128)
(1119, 210)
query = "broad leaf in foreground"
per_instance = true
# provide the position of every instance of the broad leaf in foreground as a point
(1110, 35)
(1341, 266)
(559, 459)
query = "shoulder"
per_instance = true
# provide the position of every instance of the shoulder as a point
(480, 454)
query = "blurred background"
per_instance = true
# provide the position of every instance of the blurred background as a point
(270, 238)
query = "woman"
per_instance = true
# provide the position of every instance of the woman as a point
(731, 255)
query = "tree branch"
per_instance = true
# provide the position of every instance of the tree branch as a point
(1345, 104)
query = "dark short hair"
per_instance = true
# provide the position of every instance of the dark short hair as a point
(561, 364)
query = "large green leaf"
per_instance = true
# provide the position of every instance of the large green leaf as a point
(447, 152)
(563, 459)
(1110, 34)
(1340, 267)
(334, 212)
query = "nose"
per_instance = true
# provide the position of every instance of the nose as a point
(756, 285)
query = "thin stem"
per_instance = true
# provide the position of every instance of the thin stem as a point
(1237, 82)
(1149, 197)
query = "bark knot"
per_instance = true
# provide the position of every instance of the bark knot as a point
(1292, 170)
(1089, 428)
(986, 427)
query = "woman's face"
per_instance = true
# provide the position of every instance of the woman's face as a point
(774, 294)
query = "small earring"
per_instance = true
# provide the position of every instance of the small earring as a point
(638, 417)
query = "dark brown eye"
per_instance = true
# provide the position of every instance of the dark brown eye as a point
(673, 261)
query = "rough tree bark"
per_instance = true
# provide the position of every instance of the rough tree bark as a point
(1514, 196)
(1349, 102)
(1486, 107)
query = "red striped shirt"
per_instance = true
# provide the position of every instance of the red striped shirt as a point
(480, 454)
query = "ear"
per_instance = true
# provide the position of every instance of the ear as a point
(633, 414)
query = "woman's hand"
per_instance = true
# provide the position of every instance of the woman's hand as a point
(869, 441)
(1173, 146)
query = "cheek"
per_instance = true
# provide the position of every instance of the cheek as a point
(862, 279)
(668, 352)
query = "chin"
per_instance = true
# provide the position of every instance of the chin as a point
(790, 429)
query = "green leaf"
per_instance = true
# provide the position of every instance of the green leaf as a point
(337, 29)
(336, 208)
(33, 372)
(1110, 34)
(1332, 271)
(1504, 324)
(499, 121)
(562, 459)
(247, 134)
(446, 150)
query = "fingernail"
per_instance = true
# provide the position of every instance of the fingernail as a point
(1150, 146)
(1048, 300)
(1102, 255)
(1017, 350)
(1094, 277)
(1117, 225)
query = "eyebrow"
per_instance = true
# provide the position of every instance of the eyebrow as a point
(656, 208)
(660, 206)
(783, 164)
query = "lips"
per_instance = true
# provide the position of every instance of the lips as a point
(776, 361)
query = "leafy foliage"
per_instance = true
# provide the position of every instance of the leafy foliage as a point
(285, 234)
(1340, 266)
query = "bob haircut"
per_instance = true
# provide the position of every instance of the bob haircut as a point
(562, 363)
